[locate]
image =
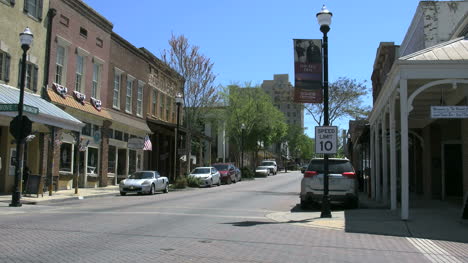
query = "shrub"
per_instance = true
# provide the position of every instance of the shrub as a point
(247, 174)
(180, 183)
(193, 181)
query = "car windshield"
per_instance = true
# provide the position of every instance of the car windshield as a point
(201, 171)
(268, 163)
(141, 175)
(221, 167)
(334, 166)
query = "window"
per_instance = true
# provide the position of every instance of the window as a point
(79, 73)
(4, 66)
(92, 161)
(31, 76)
(111, 159)
(86, 129)
(126, 137)
(99, 42)
(168, 107)
(116, 95)
(118, 135)
(33, 8)
(83, 32)
(95, 87)
(161, 105)
(60, 65)
(66, 157)
(140, 99)
(128, 95)
(154, 103)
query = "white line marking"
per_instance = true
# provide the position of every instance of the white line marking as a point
(432, 251)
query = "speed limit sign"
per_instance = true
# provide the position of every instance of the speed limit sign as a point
(326, 139)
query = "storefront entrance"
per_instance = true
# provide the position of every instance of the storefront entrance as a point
(453, 171)
(121, 164)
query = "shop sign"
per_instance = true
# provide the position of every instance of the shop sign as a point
(14, 107)
(136, 143)
(449, 112)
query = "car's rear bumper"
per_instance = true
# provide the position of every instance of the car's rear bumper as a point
(335, 197)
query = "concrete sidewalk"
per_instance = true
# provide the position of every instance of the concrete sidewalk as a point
(63, 195)
(429, 219)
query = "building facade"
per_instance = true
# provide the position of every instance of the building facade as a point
(410, 143)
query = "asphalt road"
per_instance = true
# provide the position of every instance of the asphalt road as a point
(220, 224)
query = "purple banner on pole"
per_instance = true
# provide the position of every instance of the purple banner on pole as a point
(308, 70)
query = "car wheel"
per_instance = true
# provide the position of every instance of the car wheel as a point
(123, 193)
(235, 180)
(151, 192)
(166, 189)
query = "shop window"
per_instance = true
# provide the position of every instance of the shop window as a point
(95, 129)
(111, 159)
(132, 161)
(92, 161)
(66, 157)
(111, 134)
(126, 137)
(139, 162)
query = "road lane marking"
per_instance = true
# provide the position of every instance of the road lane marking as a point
(432, 251)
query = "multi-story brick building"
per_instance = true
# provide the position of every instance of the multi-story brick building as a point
(15, 16)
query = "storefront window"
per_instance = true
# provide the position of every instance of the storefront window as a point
(118, 135)
(132, 162)
(86, 129)
(66, 157)
(111, 159)
(92, 161)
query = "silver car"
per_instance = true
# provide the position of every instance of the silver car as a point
(206, 175)
(144, 182)
(342, 183)
(263, 171)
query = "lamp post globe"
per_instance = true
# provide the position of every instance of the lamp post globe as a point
(324, 20)
(26, 39)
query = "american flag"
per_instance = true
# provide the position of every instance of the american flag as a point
(147, 146)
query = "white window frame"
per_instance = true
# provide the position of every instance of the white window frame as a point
(80, 74)
(60, 78)
(129, 94)
(117, 87)
(140, 90)
(96, 78)
(65, 44)
(72, 160)
(154, 103)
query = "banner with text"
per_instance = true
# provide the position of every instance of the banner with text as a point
(308, 70)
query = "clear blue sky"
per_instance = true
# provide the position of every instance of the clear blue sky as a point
(250, 40)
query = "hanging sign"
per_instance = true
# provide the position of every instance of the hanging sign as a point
(308, 70)
(449, 112)
(136, 143)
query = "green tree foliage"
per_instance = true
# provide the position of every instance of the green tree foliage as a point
(252, 107)
(345, 100)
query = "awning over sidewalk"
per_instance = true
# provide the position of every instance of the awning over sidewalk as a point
(48, 113)
(128, 124)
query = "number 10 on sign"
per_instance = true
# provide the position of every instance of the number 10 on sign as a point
(326, 139)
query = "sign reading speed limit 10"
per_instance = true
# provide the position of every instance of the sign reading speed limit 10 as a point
(326, 139)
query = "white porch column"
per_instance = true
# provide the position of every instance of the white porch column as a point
(372, 162)
(393, 165)
(404, 148)
(384, 159)
(378, 161)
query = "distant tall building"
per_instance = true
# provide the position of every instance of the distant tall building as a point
(281, 92)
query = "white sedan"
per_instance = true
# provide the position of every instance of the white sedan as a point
(208, 176)
(144, 182)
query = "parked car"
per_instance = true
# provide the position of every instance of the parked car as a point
(263, 171)
(208, 176)
(227, 172)
(342, 183)
(272, 164)
(144, 182)
(304, 167)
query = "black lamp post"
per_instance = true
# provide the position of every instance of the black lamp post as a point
(324, 20)
(179, 102)
(26, 39)
(242, 145)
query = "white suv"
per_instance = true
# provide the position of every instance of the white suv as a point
(270, 164)
(342, 183)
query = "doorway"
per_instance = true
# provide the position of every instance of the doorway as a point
(121, 164)
(452, 179)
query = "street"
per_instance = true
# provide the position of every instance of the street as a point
(230, 223)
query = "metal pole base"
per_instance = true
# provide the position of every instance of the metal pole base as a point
(15, 202)
(326, 212)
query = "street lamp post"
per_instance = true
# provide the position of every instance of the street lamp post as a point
(26, 39)
(324, 20)
(242, 145)
(179, 102)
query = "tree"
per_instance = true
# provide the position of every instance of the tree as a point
(252, 107)
(199, 89)
(345, 100)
